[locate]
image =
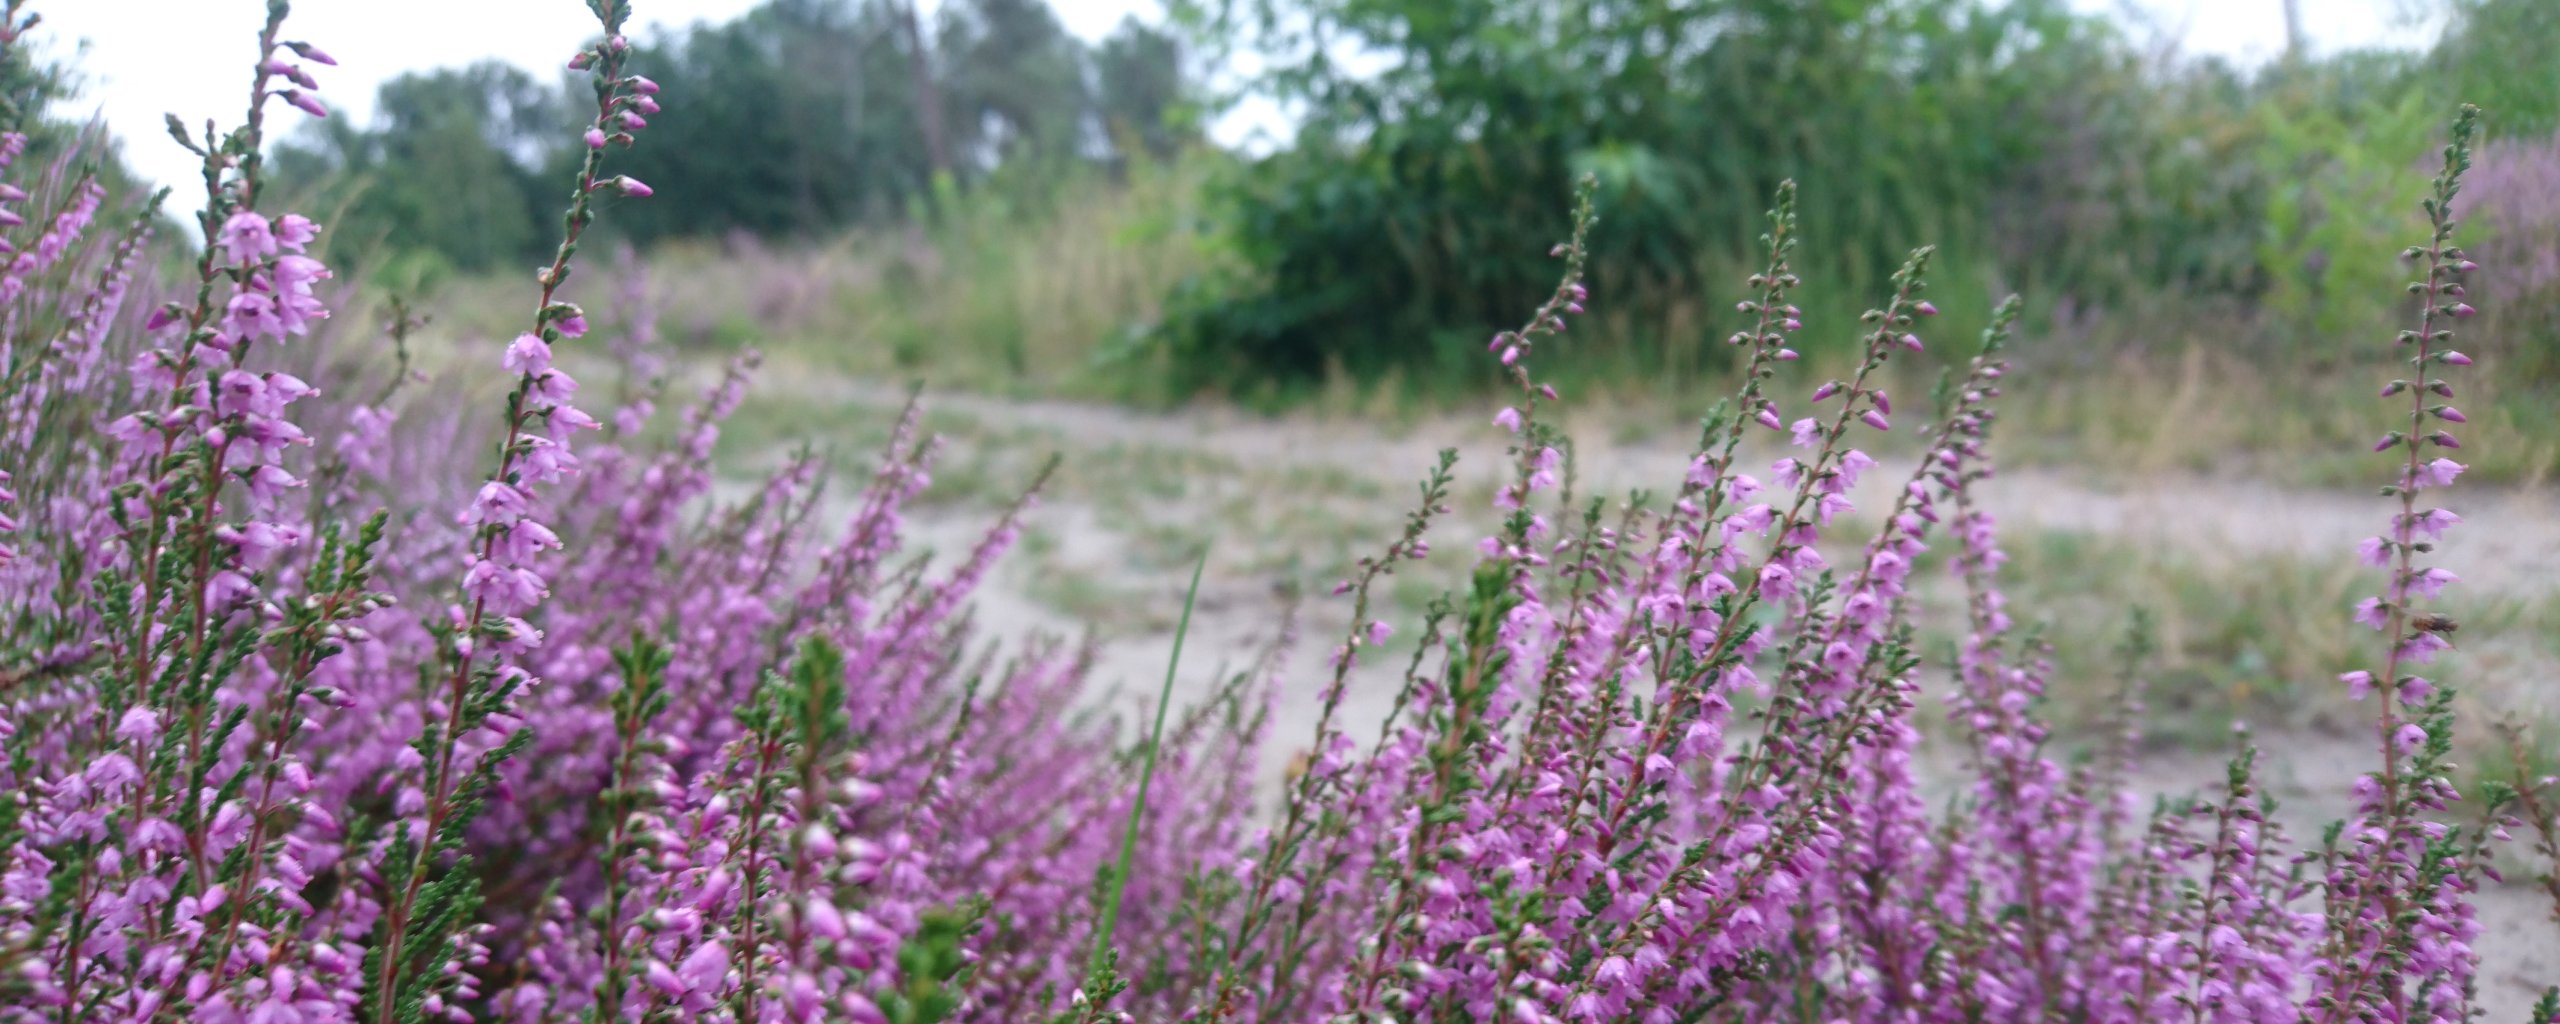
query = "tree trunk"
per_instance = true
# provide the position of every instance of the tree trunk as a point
(928, 93)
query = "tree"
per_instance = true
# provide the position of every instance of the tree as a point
(1141, 90)
(1017, 83)
(452, 165)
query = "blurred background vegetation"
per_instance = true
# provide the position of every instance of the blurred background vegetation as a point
(981, 199)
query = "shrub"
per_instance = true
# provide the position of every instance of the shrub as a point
(362, 713)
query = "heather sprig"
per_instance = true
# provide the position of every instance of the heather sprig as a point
(433, 889)
(2399, 925)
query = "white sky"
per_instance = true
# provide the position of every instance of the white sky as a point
(190, 57)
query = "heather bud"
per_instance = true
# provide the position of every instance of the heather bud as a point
(305, 102)
(291, 73)
(311, 53)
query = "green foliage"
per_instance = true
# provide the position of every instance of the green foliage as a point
(453, 168)
(1140, 91)
(2334, 159)
(2497, 53)
(794, 117)
(1419, 196)
(929, 961)
(798, 118)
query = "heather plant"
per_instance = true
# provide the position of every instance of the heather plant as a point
(296, 731)
(319, 705)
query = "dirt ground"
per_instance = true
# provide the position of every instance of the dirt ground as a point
(1285, 505)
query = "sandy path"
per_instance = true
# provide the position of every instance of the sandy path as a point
(2511, 545)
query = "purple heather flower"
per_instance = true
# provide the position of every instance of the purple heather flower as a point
(2434, 522)
(2374, 551)
(527, 355)
(252, 315)
(2430, 583)
(2372, 612)
(248, 238)
(2438, 473)
(293, 231)
(2421, 647)
(2409, 739)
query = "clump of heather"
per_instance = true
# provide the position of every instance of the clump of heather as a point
(321, 703)
(311, 713)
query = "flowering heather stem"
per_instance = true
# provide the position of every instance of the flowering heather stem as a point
(500, 569)
(2377, 942)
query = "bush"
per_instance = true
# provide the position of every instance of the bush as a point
(1413, 203)
(356, 712)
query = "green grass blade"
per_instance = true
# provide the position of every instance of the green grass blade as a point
(1146, 777)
